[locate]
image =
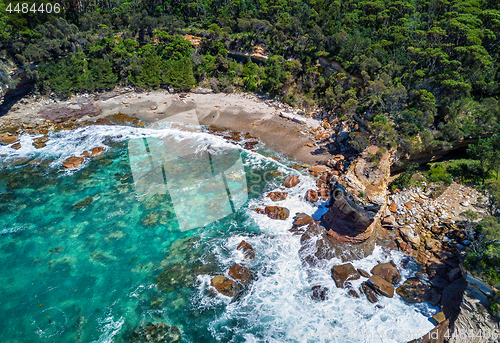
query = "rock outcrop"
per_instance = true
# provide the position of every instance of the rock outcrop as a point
(291, 181)
(277, 212)
(247, 250)
(319, 292)
(277, 196)
(344, 272)
(241, 274)
(302, 219)
(347, 220)
(388, 271)
(72, 162)
(381, 286)
(413, 291)
(224, 285)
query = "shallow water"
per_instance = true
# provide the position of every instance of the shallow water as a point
(81, 250)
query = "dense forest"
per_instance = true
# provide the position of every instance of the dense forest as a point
(416, 74)
(413, 74)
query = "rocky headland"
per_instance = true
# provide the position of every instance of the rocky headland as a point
(424, 222)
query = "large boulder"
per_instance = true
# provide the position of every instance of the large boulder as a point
(97, 151)
(344, 272)
(413, 291)
(247, 250)
(241, 274)
(388, 271)
(7, 138)
(302, 219)
(319, 169)
(277, 212)
(291, 181)
(381, 286)
(224, 285)
(277, 196)
(72, 162)
(346, 217)
(389, 221)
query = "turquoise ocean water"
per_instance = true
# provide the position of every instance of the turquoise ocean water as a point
(81, 251)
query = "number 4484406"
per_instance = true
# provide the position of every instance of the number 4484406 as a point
(24, 7)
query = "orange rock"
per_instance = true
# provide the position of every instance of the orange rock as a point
(72, 162)
(312, 195)
(7, 138)
(291, 181)
(224, 285)
(309, 145)
(86, 154)
(408, 205)
(420, 201)
(393, 207)
(277, 196)
(97, 151)
(319, 169)
(240, 273)
(16, 146)
(247, 250)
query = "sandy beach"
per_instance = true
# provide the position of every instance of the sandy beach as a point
(240, 112)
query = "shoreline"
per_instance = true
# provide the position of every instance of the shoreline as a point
(241, 112)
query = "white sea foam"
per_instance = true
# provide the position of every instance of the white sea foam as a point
(66, 143)
(109, 328)
(12, 230)
(278, 306)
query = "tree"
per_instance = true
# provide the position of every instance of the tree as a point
(487, 151)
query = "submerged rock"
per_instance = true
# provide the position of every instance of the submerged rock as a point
(277, 196)
(388, 271)
(381, 286)
(413, 291)
(277, 212)
(224, 285)
(156, 333)
(97, 151)
(72, 162)
(291, 181)
(241, 274)
(344, 272)
(320, 292)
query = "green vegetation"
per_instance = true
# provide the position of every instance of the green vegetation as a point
(413, 74)
(483, 255)
(437, 173)
(405, 178)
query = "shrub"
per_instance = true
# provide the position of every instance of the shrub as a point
(438, 173)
